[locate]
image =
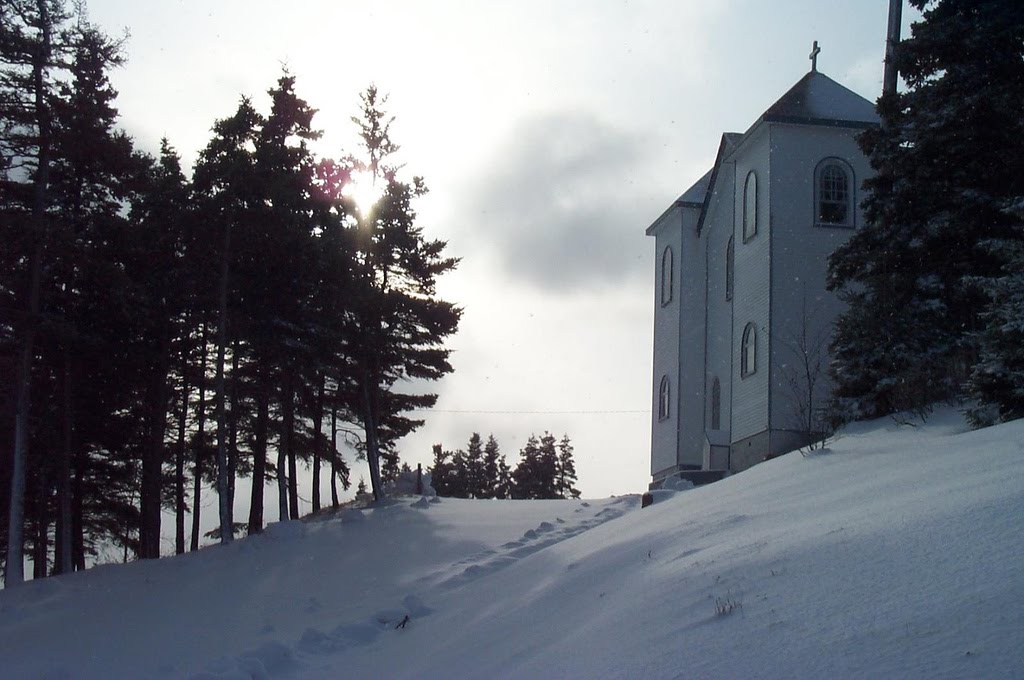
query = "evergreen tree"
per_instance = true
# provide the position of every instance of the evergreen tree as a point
(948, 159)
(441, 471)
(491, 487)
(29, 50)
(475, 482)
(536, 474)
(399, 322)
(564, 486)
(997, 381)
(503, 487)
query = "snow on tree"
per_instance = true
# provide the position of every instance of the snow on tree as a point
(948, 156)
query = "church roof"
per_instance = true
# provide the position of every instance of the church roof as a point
(816, 99)
(694, 196)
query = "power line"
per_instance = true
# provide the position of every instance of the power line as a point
(535, 413)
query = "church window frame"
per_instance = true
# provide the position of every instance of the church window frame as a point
(716, 404)
(748, 351)
(834, 193)
(750, 206)
(664, 398)
(730, 267)
(667, 275)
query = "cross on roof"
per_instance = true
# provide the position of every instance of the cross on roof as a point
(813, 56)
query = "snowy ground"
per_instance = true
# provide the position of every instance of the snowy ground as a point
(897, 553)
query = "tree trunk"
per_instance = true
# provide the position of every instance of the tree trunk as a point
(16, 515)
(41, 544)
(318, 421)
(62, 539)
(179, 459)
(78, 511)
(226, 533)
(334, 455)
(200, 447)
(233, 432)
(153, 456)
(372, 454)
(293, 477)
(259, 455)
(284, 444)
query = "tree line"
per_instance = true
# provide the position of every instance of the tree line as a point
(546, 469)
(934, 281)
(162, 335)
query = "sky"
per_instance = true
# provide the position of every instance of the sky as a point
(551, 133)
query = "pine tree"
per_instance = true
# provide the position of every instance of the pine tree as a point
(997, 381)
(28, 32)
(400, 323)
(566, 475)
(476, 483)
(491, 486)
(536, 474)
(948, 159)
(441, 471)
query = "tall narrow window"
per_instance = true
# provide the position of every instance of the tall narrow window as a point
(664, 398)
(666, 276)
(716, 404)
(750, 207)
(730, 266)
(834, 194)
(748, 351)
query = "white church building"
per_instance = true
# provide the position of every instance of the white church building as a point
(742, 317)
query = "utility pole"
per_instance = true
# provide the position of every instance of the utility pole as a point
(892, 38)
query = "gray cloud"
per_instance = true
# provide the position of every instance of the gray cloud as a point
(562, 204)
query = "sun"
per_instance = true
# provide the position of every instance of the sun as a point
(364, 191)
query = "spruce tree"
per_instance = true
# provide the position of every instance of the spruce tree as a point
(29, 50)
(441, 471)
(491, 469)
(948, 159)
(400, 323)
(476, 483)
(997, 381)
(565, 486)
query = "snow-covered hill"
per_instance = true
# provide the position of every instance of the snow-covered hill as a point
(899, 552)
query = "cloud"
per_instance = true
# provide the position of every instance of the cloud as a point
(558, 206)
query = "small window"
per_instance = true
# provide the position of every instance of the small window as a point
(666, 276)
(730, 267)
(750, 207)
(716, 405)
(748, 351)
(834, 194)
(664, 398)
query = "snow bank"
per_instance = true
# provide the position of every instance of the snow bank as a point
(896, 553)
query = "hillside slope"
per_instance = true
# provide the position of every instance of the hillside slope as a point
(896, 553)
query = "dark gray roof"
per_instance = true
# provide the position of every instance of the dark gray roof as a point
(730, 140)
(817, 99)
(694, 196)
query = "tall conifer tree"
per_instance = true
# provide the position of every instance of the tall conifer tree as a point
(948, 159)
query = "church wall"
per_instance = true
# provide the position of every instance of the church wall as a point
(801, 305)
(664, 432)
(718, 227)
(690, 351)
(751, 293)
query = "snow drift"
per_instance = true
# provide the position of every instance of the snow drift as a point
(895, 553)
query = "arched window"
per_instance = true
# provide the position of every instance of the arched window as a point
(730, 266)
(666, 276)
(748, 351)
(716, 404)
(664, 398)
(750, 207)
(833, 186)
